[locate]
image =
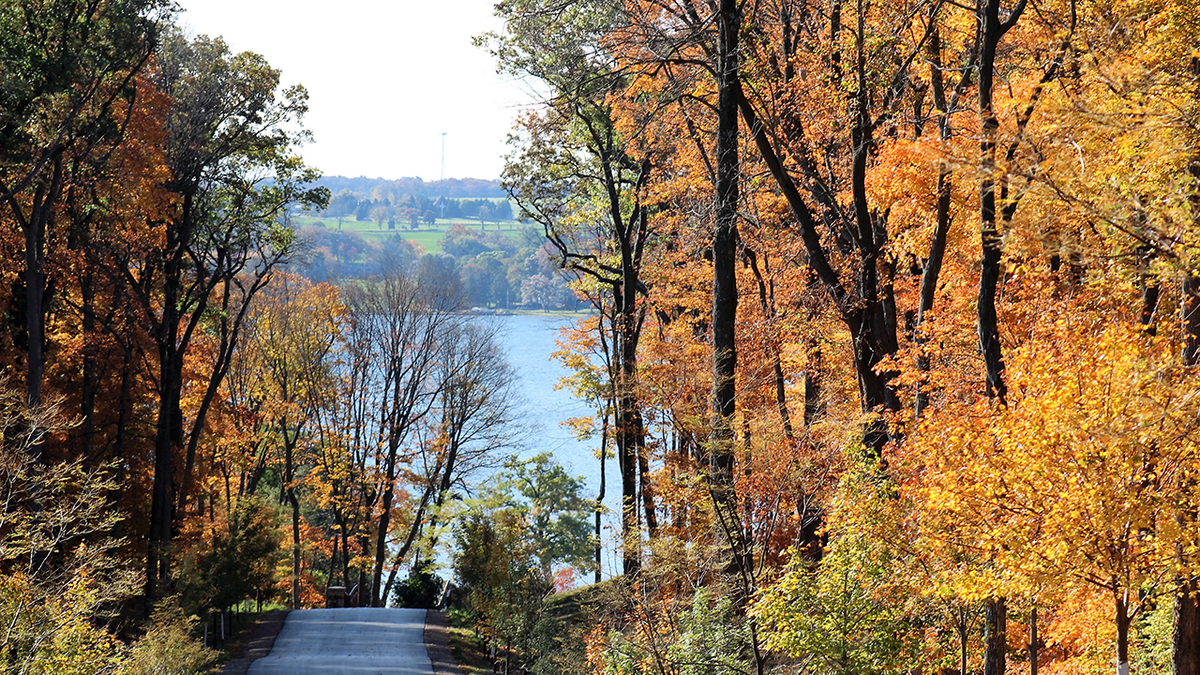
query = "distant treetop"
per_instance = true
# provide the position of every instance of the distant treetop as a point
(457, 188)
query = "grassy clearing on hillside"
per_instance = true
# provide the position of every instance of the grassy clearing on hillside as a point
(428, 236)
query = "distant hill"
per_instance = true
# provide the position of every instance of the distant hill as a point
(375, 188)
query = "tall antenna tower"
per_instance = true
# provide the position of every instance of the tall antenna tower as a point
(442, 180)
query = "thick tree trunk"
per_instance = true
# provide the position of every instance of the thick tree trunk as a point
(169, 423)
(995, 639)
(627, 454)
(1186, 640)
(724, 249)
(989, 234)
(166, 441)
(34, 227)
(1123, 621)
(630, 429)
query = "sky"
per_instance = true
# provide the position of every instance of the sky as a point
(385, 78)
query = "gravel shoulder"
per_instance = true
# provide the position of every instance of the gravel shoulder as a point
(437, 643)
(258, 643)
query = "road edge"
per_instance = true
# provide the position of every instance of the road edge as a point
(437, 643)
(261, 641)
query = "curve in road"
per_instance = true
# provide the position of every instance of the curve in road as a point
(352, 641)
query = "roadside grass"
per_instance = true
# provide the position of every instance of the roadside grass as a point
(575, 612)
(468, 650)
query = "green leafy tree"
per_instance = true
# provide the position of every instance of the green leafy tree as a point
(422, 589)
(554, 511)
(237, 564)
(530, 520)
(848, 613)
(707, 638)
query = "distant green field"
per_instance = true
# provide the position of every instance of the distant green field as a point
(428, 236)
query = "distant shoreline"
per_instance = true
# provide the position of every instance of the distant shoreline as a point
(563, 313)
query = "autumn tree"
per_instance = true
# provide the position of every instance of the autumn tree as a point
(233, 171)
(68, 68)
(573, 171)
(291, 331)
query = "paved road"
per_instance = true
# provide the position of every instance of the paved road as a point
(355, 641)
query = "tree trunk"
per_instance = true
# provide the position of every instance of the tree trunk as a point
(295, 547)
(1186, 640)
(166, 441)
(995, 642)
(169, 423)
(1191, 318)
(724, 250)
(381, 542)
(1033, 645)
(289, 469)
(812, 383)
(630, 429)
(34, 226)
(962, 650)
(627, 461)
(1123, 621)
(989, 235)
(600, 494)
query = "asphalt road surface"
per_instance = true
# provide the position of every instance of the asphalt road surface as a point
(353, 641)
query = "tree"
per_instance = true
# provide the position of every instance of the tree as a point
(232, 174)
(342, 206)
(237, 563)
(1074, 481)
(577, 175)
(530, 521)
(290, 336)
(58, 562)
(68, 66)
(555, 513)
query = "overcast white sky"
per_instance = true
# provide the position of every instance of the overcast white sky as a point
(385, 78)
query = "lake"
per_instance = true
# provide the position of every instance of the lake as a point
(529, 341)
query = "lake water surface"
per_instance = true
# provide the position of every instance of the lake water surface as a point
(530, 341)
